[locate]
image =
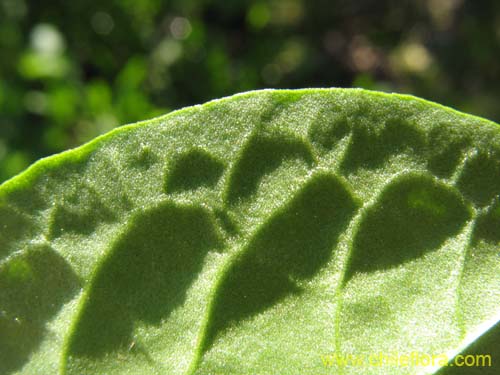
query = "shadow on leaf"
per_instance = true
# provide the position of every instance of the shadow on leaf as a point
(414, 215)
(147, 275)
(34, 286)
(292, 246)
(192, 170)
(260, 156)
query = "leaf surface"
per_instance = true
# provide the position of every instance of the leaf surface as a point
(256, 234)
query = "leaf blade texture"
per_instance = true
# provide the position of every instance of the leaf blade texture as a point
(255, 234)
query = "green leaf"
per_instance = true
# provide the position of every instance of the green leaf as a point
(257, 234)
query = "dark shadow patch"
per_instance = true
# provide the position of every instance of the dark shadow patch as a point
(226, 222)
(143, 159)
(34, 286)
(480, 179)
(193, 169)
(145, 278)
(446, 148)
(28, 199)
(261, 155)
(325, 133)
(13, 226)
(82, 213)
(414, 215)
(487, 227)
(371, 310)
(371, 146)
(277, 105)
(292, 246)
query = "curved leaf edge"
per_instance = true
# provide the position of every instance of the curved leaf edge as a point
(26, 177)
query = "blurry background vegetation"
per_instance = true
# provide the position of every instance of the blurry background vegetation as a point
(71, 70)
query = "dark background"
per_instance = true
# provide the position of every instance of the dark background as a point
(71, 70)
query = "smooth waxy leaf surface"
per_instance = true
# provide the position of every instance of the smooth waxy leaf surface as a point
(255, 235)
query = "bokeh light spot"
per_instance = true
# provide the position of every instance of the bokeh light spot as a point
(102, 23)
(180, 28)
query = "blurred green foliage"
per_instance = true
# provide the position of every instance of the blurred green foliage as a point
(71, 70)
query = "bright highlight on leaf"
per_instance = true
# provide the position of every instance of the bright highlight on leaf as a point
(254, 235)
